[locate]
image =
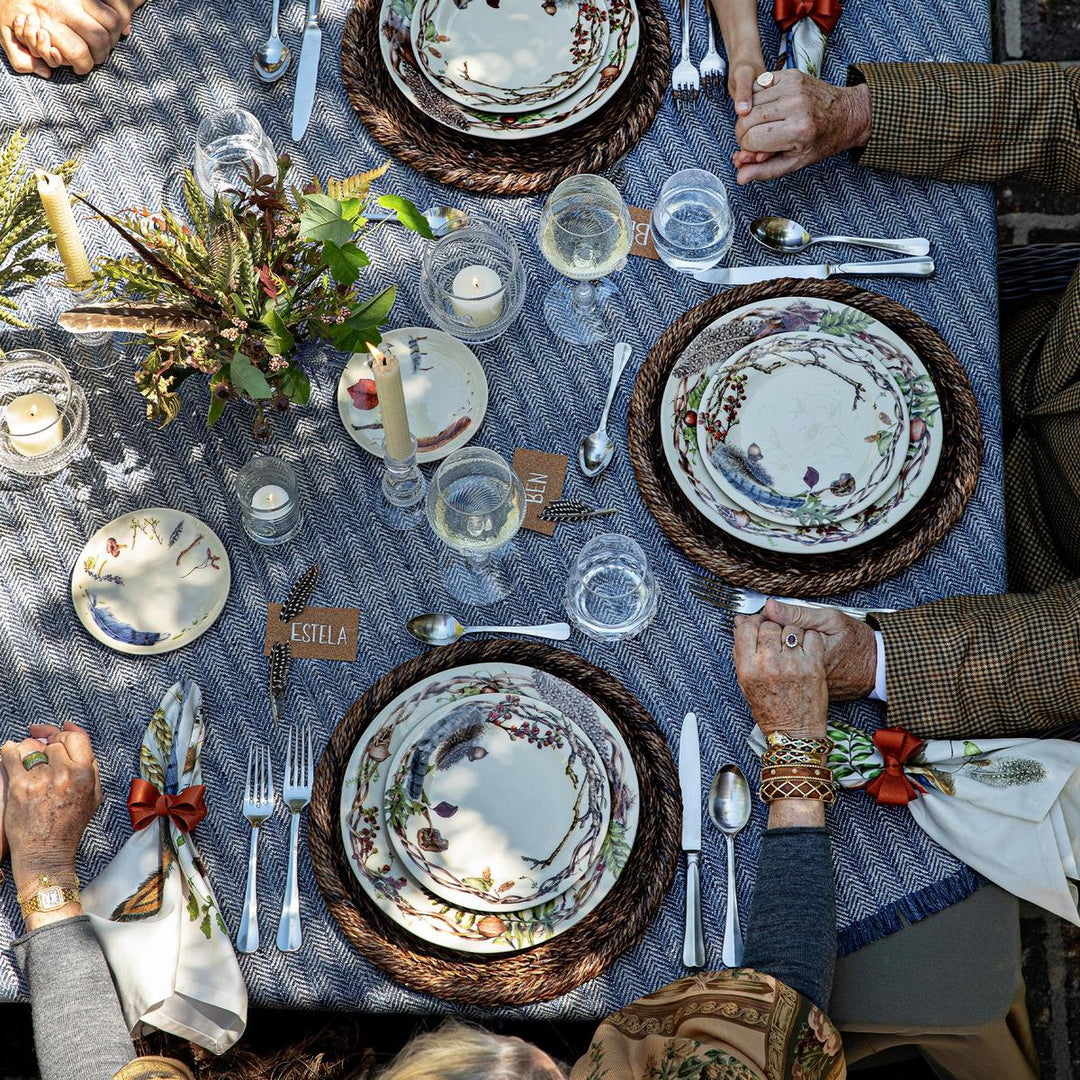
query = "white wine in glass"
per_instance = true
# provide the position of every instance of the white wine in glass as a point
(585, 235)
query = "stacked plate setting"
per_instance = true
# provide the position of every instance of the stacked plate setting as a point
(508, 69)
(489, 808)
(800, 424)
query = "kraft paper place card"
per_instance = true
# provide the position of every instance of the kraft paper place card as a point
(642, 244)
(542, 475)
(320, 633)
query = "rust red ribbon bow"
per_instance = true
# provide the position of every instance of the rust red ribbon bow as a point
(823, 12)
(891, 787)
(146, 804)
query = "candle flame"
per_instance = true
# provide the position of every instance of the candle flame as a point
(379, 359)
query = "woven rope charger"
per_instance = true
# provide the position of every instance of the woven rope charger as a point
(495, 167)
(837, 571)
(559, 965)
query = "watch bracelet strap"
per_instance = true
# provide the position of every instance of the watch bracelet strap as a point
(30, 901)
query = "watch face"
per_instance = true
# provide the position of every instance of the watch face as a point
(50, 898)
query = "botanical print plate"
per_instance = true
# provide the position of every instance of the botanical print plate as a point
(397, 53)
(497, 803)
(151, 581)
(511, 55)
(803, 428)
(693, 371)
(383, 876)
(446, 393)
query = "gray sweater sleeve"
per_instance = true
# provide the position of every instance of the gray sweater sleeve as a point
(79, 1029)
(792, 933)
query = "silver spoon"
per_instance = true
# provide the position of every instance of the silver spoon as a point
(596, 450)
(789, 237)
(273, 58)
(442, 219)
(729, 808)
(445, 629)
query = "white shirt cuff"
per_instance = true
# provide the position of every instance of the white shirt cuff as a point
(879, 692)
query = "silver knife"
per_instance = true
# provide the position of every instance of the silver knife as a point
(693, 950)
(307, 74)
(749, 275)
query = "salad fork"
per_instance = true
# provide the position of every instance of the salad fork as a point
(296, 793)
(713, 68)
(685, 80)
(258, 805)
(740, 601)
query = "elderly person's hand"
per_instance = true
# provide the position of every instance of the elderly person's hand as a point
(783, 683)
(799, 120)
(39, 35)
(49, 805)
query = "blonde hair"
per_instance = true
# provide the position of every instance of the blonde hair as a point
(457, 1051)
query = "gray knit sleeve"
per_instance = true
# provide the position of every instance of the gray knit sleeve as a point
(79, 1029)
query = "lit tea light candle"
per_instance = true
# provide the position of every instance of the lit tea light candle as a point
(478, 295)
(57, 205)
(33, 425)
(397, 436)
(271, 502)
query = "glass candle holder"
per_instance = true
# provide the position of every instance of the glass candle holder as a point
(43, 414)
(399, 502)
(269, 500)
(472, 283)
(227, 142)
(611, 594)
(691, 221)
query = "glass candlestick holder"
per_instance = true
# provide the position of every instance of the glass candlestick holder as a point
(399, 502)
(43, 414)
(269, 500)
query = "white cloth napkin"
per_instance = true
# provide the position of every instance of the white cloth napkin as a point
(154, 912)
(1009, 808)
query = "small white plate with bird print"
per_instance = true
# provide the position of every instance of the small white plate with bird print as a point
(509, 56)
(498, 803)
(804, 428)
(151, 581)
(446, 393)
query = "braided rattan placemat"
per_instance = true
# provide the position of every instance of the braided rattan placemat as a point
(809, 574)
(494, 167)
(556, 966)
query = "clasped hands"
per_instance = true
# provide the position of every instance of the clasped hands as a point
(41, 35)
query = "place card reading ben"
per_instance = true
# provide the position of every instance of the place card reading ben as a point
(542, 475)
(320, 633)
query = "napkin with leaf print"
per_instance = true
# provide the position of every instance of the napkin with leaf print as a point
(153, 910)
(805, 26)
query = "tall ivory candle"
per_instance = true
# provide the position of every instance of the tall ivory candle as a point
(395, 420)
(54, 198)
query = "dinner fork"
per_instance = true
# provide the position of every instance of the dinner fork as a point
(685, 80)
(258, 805)
(713, 68)
(740, 601)
(296, 793)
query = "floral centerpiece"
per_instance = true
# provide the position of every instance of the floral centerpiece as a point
(24, 232)
(232, 293)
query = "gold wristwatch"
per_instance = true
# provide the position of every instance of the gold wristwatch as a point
(45, 894)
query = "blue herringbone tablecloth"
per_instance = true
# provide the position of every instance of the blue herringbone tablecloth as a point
(132, 127)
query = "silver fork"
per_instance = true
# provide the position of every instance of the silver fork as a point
(258, 805)
(740, 601)
(713, 68)
(685, 80)
(296, 793)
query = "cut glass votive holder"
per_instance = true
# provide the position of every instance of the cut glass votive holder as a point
(269, 500)
(43, 414)
(472, 283)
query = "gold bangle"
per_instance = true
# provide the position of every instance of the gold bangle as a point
(792, 742)
(781, 755)
(798, 787)
(783, 772)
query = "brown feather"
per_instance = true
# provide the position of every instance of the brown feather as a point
(146, 901)
(132, 319)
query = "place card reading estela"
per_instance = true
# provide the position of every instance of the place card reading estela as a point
(542, 475)
(320, 633)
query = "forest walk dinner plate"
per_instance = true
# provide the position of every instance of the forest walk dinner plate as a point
(497, 803)
(509, 56)
(804, 428)
(384, 876)
(151, 581)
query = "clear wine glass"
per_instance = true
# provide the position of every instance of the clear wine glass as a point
(475, 505)
(585, 233)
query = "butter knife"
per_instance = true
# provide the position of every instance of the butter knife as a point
(693, 952)
(749, 275)
(307, 74)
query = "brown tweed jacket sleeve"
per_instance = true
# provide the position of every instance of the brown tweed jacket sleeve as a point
(984, 665)
(978, 122)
